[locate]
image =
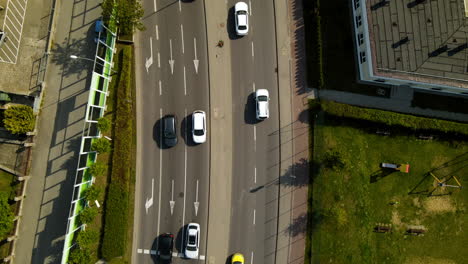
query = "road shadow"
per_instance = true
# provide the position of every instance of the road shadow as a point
(250, 111)
(231, 25)
(380, 174)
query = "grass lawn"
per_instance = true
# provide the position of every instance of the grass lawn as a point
(348, 203)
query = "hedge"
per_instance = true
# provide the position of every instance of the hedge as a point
(393, 119)
(116, 217)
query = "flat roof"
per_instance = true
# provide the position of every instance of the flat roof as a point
(428, 38)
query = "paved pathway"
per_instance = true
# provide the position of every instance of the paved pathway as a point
(400, 101)
(49, 190)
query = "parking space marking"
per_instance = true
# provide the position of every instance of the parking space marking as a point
(13, 30)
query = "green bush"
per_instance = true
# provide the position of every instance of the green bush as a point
(86, 239)
(92, 193)
(128, 13)
(104, 124)
(87, 215)
(79, 256)
(116, 222)
(117, 202)
(393, 119)
(6, 215)
(97, 169)
(19, 119)
(101, 145)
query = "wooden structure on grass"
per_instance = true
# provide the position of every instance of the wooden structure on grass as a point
(382, 228)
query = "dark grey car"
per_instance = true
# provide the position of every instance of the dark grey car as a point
(170, 130)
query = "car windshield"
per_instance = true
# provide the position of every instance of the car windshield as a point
(241, 12)
(262, 98)
(191, 248)
(198, 132)
(242, 27)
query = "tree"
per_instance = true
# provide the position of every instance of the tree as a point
(88, 215)
(92, 193)
(87, 238)
(97, 169)
(6, 215)
(104, 124)
(127, 13)
(101, 145)
(79, 256)
(19, 119)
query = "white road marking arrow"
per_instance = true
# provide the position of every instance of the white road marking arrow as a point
(195, 61)
(171, 61)
(196, 203)
(172, 202)
(149, 202)
(149, 61)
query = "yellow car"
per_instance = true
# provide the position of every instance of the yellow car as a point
(237, 258)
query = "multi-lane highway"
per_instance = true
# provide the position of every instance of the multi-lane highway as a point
(173, 183)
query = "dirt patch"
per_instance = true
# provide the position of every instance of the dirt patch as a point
(416, 202)
(396, 220)
(428, 260)
(439, 205)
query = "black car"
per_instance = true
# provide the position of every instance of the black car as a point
(166, 243)
(170, 131)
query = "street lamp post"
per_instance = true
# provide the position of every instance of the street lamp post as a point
(88, 59)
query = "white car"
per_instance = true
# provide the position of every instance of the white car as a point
(199, 126)
(193, 241)
(261, 100)
(241, 13)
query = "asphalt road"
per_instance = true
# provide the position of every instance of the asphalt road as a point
(254, 206)
(170, 83)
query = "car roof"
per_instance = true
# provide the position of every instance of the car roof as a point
(98, 26)
(198, 120)
(242, 20)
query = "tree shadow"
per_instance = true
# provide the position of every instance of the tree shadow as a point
(299, 174)
(298, 226)
(380, 174)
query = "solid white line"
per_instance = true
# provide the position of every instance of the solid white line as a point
(157, 30)
(253, 87)
(185, 83)
(159, 60)
(155, 6)
(160, 88)
(255, 175)
(254, 217)
(251, 258)
(185, 181)
(180, 7)
(182, 34)
(253, 50)
(160, 174)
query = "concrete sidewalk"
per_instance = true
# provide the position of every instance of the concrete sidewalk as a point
(60, 126)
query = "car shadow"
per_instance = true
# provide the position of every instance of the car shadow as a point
(186, 130)
(157, 134)
(179, 239)
(154, 247)
(231, 25)
(250, 111)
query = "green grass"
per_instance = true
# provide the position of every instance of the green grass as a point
(346, 205)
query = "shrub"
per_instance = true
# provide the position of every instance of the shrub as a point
(101, 145)
(128, 13)
(104, 124)
(87, 215)
(87, 238)
(6, 215)
(19, 119)
(393, 119)
(79, 256)
(115, 230)
(92, 193)
(97, 169)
